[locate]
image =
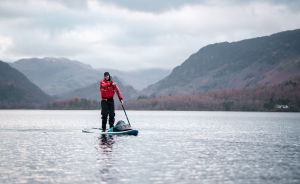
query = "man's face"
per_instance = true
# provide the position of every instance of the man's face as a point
(106, 77)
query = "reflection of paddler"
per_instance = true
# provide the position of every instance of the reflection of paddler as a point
(106, 141)
(107, 91)
(105, 156)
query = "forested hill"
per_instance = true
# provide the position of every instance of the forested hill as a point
(280, 97)
(16, 91)
(248, 63)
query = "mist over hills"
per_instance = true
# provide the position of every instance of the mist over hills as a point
(253, 62)
(16, 91)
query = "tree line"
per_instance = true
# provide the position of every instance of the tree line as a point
(281, 97)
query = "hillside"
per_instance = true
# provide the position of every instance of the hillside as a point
(16, 91)
(248, 63)
(280, 97)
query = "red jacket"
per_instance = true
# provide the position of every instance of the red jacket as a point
(107, 90)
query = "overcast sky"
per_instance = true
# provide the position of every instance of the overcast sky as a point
(134, 34)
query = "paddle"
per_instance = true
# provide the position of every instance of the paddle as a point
(125, 113)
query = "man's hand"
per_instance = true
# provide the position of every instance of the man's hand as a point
(121, 101)
(114, 84)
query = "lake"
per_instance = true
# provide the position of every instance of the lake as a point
(40, 146)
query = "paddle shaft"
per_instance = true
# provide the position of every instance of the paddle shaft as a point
(125, 114)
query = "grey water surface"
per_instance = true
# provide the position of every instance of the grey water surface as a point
(39, 146)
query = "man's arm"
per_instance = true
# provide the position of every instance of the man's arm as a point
(118, 92)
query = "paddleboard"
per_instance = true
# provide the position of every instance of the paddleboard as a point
(99, 131)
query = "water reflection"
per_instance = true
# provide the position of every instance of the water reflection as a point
(106, 143)
(105, 158)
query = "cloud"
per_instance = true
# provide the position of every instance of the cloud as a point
(129, 35)
(157, 6)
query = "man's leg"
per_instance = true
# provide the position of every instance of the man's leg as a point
(104, 113)
(111, 107)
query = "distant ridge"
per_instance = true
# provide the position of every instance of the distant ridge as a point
(61, 76)
(57, 75)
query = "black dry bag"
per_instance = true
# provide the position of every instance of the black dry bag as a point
(121, 126)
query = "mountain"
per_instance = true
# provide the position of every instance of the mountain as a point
(92, 92)
(16, 91)
(253, 62)
(57, 75)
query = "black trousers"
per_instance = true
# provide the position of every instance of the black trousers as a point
(108, 110)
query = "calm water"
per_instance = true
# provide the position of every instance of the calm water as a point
(172, 147)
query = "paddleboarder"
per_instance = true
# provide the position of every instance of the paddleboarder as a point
(107, 91)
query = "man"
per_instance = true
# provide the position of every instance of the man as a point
(107, 90)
